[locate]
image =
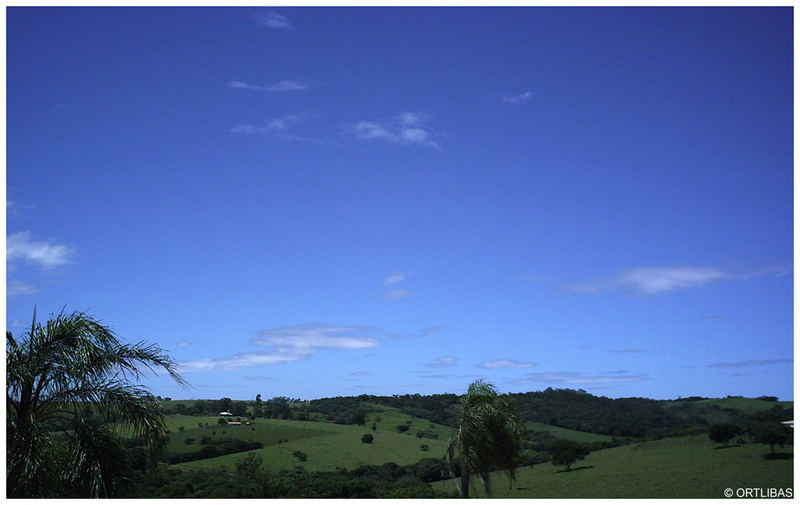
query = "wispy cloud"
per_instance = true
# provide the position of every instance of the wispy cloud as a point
(407, 128)
(359, 373)
(395, 278)
(273, 20)
(19, 323)
(19, 288)
(659, 280)
(506, 363)
(421, 333)
(184, 343)
(520, 98)
(290, 343)
(278, 87)
(396, 294)
(752, 362)
(443, 362)
(579, 378)
(19, 246)
(278, 127)
(626, 351)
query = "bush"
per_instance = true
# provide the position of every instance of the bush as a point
(567, 452)
(189, 441)
(723, 432)
(181, 428)
(205, 440)
(425, 447)
(402, 427)
(367, 439)
(300, 455)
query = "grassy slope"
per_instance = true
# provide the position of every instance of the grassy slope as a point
(559, 432)
(748, 405)
(328, 446)
(687, 467)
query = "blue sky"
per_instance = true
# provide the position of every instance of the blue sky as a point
(315, 202)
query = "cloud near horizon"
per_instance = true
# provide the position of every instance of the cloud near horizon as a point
(443, 362)
(290, 343)
(506, 363)
(580, 379)
(752, 362)
(659, 280)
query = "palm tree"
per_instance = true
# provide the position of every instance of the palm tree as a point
(488, 438)
(70, 400)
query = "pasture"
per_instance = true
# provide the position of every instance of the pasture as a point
(685, 467)
(328, 446)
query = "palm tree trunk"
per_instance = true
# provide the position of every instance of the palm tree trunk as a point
(464, 481)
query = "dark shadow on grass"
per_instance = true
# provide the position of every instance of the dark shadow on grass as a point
(727, 446)
(576, 469)
(778, 455)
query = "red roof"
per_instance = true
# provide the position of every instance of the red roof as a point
(234, 422)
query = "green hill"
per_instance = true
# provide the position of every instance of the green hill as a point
(685, 467)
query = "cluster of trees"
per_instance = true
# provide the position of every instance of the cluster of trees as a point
(763, 428)
(219, 448)
(251, 479)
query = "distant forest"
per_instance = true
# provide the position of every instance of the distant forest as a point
(639, 418)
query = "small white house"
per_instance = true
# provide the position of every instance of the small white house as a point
(225, 414)
(790, 424)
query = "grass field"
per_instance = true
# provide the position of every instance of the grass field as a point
(558, 432)
(328, 446)
(748, 405)
(687, 467)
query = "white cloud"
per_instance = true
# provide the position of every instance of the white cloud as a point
(657, 280)
(443, 362)
(395, 278)
(411, 118)
(652, 281)
(396, 294)
(406, 128)
(522, 97)
(19, 323)
(273, 20)
(507, 363)
(752, 362)
(290, 343)
(19, 246)
(184, 343)
(19, 288)
(278, 87)
(279, 127)
(578, 378)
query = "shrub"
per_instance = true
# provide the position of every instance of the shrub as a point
(723, 432)
(189, 441)
(367, 439)
(181, 428)
(567, 452)
(425, 447)
(300, 455)
(402, 427)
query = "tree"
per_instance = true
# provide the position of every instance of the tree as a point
(772, 433)
(567, 452)
(723, 432)
(55, 370)
(489, 436)
(367, 439)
